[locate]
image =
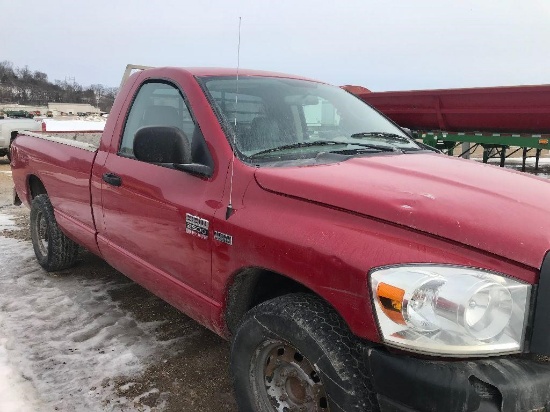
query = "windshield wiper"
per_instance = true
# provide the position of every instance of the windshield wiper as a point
(364, 146)
(297, 146)
(386, 135)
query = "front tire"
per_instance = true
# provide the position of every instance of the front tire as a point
(54, 251)
(295, 353)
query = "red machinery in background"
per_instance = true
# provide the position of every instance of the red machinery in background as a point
(496, 118)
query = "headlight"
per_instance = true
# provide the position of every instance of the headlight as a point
(449, 310)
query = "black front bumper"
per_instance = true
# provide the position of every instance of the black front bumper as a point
(506, 384)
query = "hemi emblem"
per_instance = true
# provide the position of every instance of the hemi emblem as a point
(196, 226)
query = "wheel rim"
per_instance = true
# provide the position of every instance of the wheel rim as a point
(42, 233)
(287, 381)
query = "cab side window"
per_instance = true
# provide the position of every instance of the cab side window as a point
(156, 104)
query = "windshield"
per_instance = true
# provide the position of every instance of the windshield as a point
(277, 116)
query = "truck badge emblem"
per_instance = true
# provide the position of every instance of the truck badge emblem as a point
(196, 226)
(223, 237)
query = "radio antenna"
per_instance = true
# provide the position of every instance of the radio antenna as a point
(229, 211)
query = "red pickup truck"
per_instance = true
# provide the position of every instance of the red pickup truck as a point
(352, 268)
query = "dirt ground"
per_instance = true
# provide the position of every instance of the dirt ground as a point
(197, 379)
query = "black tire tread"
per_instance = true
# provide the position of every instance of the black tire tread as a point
(62, 251)
(330, 332)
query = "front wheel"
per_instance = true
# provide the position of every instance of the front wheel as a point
(53, 250)
(294, 353)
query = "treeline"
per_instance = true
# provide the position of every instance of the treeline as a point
(24, 86)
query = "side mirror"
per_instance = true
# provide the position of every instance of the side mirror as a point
(162, 144)
(167, 146)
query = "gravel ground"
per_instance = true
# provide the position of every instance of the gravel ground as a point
(193, 376)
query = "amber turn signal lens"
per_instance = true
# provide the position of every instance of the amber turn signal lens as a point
(391, 301)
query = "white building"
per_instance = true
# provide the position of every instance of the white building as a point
(72, 108)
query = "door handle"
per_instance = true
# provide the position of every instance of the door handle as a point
(112, 179)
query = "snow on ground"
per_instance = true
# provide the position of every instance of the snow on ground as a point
(6, 222)
(515, 163)
(61, 336)
(54, 125)
(18, 394)
(518, 160)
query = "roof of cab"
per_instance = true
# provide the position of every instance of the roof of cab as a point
(221, 71)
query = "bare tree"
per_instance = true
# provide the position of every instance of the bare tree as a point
(99, 92)
(40, 77)
(21, 85)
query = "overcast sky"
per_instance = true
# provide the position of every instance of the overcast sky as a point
(381, 45)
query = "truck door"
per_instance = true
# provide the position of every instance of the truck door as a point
(146, 206)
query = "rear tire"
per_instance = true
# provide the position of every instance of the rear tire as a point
(295, 353)
(54, 251)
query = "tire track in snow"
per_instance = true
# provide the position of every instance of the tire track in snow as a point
(66, 336)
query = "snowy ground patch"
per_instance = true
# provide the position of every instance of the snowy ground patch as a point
(18, 394)
(543, 161)
(515, 163)
(7, 222)
(530, 161)
(62, 336)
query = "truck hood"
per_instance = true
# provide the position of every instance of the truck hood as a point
(500, 211)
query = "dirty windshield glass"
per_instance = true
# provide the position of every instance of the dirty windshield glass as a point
(276, 116)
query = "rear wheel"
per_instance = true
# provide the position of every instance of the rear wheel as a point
(53, 250)
(295, 354)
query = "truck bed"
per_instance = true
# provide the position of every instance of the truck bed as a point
(64, 166)
(83, 140)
